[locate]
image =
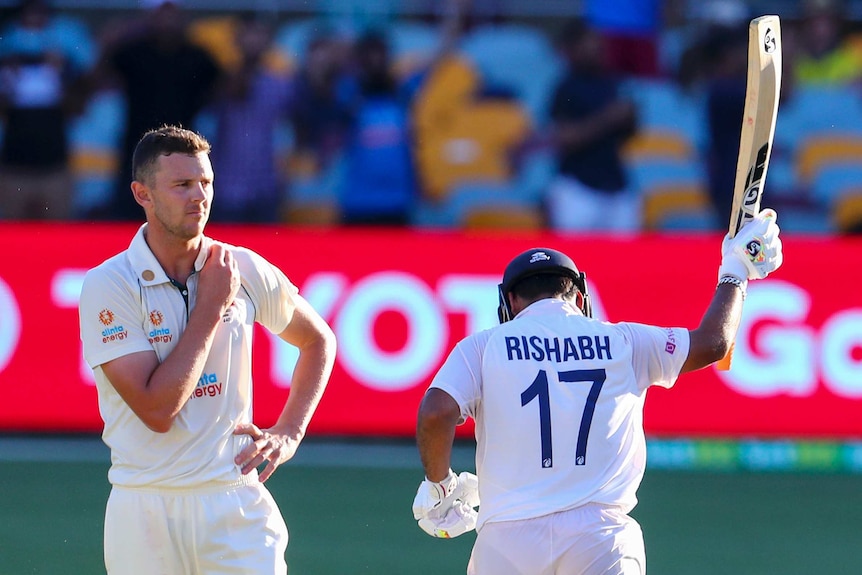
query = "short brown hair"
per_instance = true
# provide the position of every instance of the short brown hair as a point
(545, 285)
(164, 141)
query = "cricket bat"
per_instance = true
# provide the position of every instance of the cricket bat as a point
(763, 86)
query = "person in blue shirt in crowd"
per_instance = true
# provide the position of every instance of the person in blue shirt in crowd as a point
(43, 58)
(380, 184)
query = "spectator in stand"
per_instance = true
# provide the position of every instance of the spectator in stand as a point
(824, 55)
(380, 185)
(591, 121)
(726, 60)
(629, 31)
(165, 79)
(42, 59)
(320, 102)
(251, 100)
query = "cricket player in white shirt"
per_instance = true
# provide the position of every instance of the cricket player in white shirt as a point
(167, 329)
(557, 398)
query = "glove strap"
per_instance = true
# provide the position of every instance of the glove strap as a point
(733, 280)
(447, 485)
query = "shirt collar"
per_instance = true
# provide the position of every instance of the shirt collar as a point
(549, 306)
(147, 267)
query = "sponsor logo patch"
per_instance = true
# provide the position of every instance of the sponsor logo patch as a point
(111, 332)
(159, 334)
(670, 345)
(539, 257)
(208, 386)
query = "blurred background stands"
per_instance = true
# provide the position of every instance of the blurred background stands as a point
(476, 79)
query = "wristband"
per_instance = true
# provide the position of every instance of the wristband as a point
(733, 280)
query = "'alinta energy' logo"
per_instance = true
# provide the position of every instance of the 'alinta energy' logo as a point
(208, 386)
(111, 332)
(159, 334)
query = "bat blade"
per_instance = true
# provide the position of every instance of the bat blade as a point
(763, 86)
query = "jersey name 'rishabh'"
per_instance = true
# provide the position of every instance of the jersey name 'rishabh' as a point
(533, 347)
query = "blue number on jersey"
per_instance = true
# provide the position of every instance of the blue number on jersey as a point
(539, 389)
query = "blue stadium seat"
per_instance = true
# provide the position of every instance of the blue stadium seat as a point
(412, 43)
(293, 37)
(836, 180)
(519, 58)
(815, 109)
(94, 139)
(665, 107)
(493, 205)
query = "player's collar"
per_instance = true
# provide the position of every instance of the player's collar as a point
(147, 267)
(550, 306)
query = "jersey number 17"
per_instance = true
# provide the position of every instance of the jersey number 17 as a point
(539, 390)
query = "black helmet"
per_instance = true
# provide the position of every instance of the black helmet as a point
(540, 261)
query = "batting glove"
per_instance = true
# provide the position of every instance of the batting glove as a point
(755, 251)
(446, 508)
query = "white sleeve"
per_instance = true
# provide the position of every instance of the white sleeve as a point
(111, 318)
(269, 289)
(658, 353)
(461, 375)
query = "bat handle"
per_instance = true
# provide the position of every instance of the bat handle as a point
(724, 363)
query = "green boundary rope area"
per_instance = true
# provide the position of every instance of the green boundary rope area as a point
(755, 455)
(716, 508)
(781, 455)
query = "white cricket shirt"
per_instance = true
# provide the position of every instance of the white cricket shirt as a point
(128, 304)
(558, 403)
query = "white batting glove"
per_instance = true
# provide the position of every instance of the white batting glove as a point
(457, 520)
(755, 251)
(445, 508)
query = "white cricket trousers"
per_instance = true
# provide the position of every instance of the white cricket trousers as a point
(214, 530)
(588, 540)
(572, 206)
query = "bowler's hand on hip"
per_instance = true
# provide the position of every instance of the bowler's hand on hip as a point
(274, 448)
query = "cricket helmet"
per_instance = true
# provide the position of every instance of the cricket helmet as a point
(540, 261)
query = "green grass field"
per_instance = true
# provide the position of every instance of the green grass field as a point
(348, 510)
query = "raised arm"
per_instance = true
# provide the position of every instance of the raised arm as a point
(752, 254)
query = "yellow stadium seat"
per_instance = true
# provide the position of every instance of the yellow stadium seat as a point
(458, 137)
(847, 211)
(504, 218)
(89, 162)
(657, 143)
(819, 151)
(216, 36)
(666, 201)
(312, 214)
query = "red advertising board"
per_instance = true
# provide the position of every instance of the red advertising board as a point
(399, 300)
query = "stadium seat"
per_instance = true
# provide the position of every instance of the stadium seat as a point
(94, 141)
(292, 38)
(519, 58)
(657, 144)
(504, 218)
(673, 190)
(412, 45)
(312, 197)
(837, 192)
(492, 205)
(216, 36)
(678, 206)
(665, 108)
(816, 109)
(846, 212)
(822, 150)
(460, 138)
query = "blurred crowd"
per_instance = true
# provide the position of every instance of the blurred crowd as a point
(623, 117)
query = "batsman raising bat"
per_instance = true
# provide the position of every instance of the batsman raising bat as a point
(557, 397)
